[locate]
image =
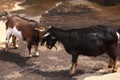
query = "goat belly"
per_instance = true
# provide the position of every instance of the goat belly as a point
(92, 52)
(17, 33)
(89, 48)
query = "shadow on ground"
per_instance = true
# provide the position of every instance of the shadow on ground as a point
(14, 58)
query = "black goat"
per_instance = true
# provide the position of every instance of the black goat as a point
(91, 41)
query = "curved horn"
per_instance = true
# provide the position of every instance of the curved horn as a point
(45, 35)
(39, 29)
(48, 27)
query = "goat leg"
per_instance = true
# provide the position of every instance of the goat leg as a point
(74, 64)
(115, 67)
(29, 48)
(14, 42)
(36, 50)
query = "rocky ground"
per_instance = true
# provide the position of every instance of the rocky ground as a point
(82, 13)
(55, 64)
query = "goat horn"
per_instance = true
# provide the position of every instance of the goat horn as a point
(39, 29)
(49, 27)
(46, 34)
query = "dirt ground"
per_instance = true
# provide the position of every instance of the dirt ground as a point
(55, 64)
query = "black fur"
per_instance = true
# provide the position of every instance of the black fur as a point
(90, 41)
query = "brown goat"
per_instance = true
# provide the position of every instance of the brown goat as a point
(19, 27)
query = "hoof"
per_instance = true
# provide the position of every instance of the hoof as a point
(114, 70)
(72, 72)
(118, 64)
(30, 55)
(6, 50)
(110, 66)
(15, 47)
(36, 54)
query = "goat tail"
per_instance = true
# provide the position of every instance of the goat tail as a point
(118, 35)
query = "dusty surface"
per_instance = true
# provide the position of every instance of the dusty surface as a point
(55, 64)
(82, 13)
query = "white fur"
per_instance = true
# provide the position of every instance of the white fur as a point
(13, 31)
(8, 33)
(118, 35)
(37, 54)
(17, 33)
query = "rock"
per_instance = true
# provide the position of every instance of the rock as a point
(106, 2)
(81, 13)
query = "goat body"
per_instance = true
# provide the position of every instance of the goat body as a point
(91, 41)
(22, 28)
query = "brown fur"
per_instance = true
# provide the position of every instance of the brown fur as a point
(27, 28)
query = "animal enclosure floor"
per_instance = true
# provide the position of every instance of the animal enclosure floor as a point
(51, 65)
(55, 64)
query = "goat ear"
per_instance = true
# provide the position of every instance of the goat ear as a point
(39, 29)
(47, 34)
(5, 13)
